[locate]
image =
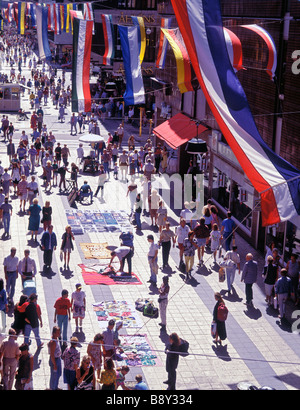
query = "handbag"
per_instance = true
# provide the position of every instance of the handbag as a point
(61, 256)
(213, 329)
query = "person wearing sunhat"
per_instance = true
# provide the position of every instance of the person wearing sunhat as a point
(78, 304)
(71, 359)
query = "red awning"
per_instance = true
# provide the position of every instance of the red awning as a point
(178, 130)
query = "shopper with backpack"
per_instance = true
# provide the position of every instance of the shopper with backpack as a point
(219, 317)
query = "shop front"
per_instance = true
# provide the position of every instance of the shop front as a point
(230, 189)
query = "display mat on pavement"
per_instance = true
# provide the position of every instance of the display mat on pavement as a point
(137, 351)
(95, 250)
(97, 221)
(119, 311)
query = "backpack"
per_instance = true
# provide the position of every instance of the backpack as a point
(184, 347)
(150, 310)
(222, 312)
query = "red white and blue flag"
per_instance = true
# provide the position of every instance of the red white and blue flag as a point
(276, 180)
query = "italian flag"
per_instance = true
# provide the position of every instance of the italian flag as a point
(82, 43)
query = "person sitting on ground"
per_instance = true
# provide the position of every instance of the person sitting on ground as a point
(85, 191)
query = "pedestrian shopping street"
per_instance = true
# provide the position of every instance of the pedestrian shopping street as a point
(259, 347)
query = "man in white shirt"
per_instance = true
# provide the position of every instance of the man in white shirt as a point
(123, 253)
(32, 189)
(181, 233)
(27, 266)
(230, 270)
(120, 132)
(80, 153)
(10, 264)
(152, 259)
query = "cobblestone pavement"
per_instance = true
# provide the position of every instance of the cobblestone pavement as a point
(259, 348)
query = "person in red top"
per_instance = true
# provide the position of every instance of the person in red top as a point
(62, 313)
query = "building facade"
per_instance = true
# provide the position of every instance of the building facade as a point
(274, 104)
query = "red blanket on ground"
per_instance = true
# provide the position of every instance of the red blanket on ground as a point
(92, 277)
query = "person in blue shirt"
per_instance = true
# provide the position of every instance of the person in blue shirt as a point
(283, 288)
(227, 230)
(140, 384)
(86, 191)
(48, 244)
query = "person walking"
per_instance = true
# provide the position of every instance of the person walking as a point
(270, 275)
(10, 264)
(182, 231)
(227, 230)
(202, 232)
(48, 245)
(249, 277)
(6, 216)
(108, 340)
(166, 236)
(9, 355)
(33, 320)
(55, 358)
(190, 246)
(101, 181)
(46, 215)
(78, 305)
(71, 359)
(34, 218)
(73, 122)
(283, 287)
(152, 259)
(163, 302)
(27, 266)
(62, 314)
(67, 245)
(230, 270)
(95, 352)
(3, 305)
(221, 333)
(172, 360)
(215, 240)
(293, 270)
(25, 368)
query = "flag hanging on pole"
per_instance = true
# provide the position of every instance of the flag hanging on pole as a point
(277, 181)
(42, 32)
(108, 32)
(32, 14)
(88, 13)
(135, 93)
(82, 44)
(183, 63)
(10, 12)
(272, 59)
(163, 43)
(139, 22)
(75, 13)
(54, 18)
(21, 17)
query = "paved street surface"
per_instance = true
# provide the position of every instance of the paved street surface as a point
(259, 347)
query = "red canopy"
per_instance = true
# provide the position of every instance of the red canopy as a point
(178, 130)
